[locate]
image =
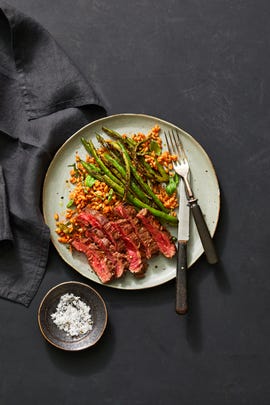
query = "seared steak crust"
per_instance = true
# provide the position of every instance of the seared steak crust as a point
(132, 245)
(114, 246)
(118, 259)
(148, 244)
(101, 264)
(158, 232)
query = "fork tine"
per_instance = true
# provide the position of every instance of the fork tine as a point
(171, 143)
(168, 143)
(176, 143)
(179, 145)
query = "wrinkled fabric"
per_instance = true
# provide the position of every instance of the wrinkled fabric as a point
(44, 100)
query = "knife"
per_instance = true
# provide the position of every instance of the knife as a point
(182, 241)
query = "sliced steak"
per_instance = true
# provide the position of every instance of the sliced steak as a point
(95, 219)
(148, 244)
(103, 243)
(124, 243)
(92, 217)
(158, 233)
(97, 259)
(121, 241)
(114, 236)
(133, 254)
(125, 229)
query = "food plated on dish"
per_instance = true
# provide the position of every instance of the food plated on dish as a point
(122, 191)
(110, 197)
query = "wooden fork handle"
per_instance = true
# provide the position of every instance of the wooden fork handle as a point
(204, 233)
(181, 305)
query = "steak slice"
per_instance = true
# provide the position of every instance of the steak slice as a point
(92, 217)
(121, 241)
(158, 233)
(97, 259)
(147, 242)
(115, 237)
(118, 259)
(133, 254)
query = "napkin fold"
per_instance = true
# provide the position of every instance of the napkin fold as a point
(44, 100)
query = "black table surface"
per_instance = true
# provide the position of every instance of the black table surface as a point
(203, 65)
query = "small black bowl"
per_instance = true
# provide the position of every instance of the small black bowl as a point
(60, 338)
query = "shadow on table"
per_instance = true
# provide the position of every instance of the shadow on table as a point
(196, 276)
(85, 362)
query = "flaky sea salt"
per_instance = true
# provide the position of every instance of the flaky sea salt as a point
(72, 315)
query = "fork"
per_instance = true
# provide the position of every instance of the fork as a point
(181, 166)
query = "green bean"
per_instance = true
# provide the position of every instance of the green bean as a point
(89, 146)
(127, 167)
(115, 135)
(90, 168)
(161, 170)
(111, 168)
(126, 173)
(148, 169)
(139, 179)
(134, 200)
(115, 163)
(140, 193)
(103, 173)
(107, 145)
(163, 177)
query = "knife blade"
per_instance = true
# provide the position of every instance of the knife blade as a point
(182, 241)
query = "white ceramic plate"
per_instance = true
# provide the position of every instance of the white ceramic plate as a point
(204, 181)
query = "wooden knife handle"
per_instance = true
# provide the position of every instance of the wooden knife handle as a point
(205, 236)
(181, 279)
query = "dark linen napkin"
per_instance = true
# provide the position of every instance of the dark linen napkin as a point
(44, 100)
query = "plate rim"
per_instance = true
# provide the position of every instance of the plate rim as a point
(134, 115)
